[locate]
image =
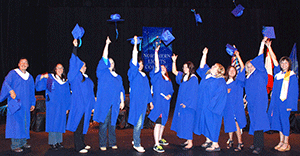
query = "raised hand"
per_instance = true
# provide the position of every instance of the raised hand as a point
(205, 51)
(75, 42)
(108, 40)
(174, 57)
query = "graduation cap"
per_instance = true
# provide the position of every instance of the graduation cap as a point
(139, 41)
(167, 37)
(238, 10)
(230, 49)
(115, 18)
(197, 17)
(268, 31)
(13, 106)
(77, 33)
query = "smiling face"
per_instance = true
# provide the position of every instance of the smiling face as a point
(231, 72)
(214, 69)
(23, 65)
(59, 69)
(141, 65)
(163, 69)
(284, 64)
(186, 69)
(249, 67)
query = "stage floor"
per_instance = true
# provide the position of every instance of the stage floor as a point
(39, 143)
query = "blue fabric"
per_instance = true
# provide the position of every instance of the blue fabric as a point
(17, 124)
(278, 114)
(183, 118)
(82, 98)
(137, 132)
(212, 100)
(59, 102)
(103, 132)
(17, 143)
(108, 94)
(257, 96)
(54, 138)
(140, 94)
(234, 109)
(161, 105)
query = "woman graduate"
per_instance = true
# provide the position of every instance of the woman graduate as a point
(162, 92)
(234, 113)
(140, 96)
(185, 109)
(257, 97)
(110, 97)
(82, 100)
(58, 99)
(211, 103)
(284, 99)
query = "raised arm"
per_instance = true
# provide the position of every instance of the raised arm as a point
(262, 46)
(237, 54)
(174, 69)
(156, 59)
(204, 56)
(105, 51)
(135, 51)
(272, 54)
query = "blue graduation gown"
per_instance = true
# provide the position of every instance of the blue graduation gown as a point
(278, 114)
(108, 94)
(82, 97)
(211, 103)
(161, 105)
(183, 118)
(17, 124)
(257, 96)
(59, 102)
(140, 94)
(234, 109)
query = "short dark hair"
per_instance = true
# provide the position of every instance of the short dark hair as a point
(287, 59)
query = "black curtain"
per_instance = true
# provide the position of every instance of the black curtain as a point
(41, 30)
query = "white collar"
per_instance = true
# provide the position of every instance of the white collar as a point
(85, 75)
(185, 78)
(24, 76)
(143, 74)
(58, 80)
(113, 73)
(229, 81)
(250, 74)
(280, 75)
(209, 76)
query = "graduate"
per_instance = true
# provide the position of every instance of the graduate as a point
(162, 93)
(82, 101)
(234, 113)
(18, 89)
(58, 99)
(284, 98)
(140, 96)
(186, 104)
(257, 97)
(211, 103)
(110, 97)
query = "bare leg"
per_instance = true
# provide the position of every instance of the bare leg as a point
(161, 131)
(281, 136)
(190, 144)
(156, 133)
(238, 133)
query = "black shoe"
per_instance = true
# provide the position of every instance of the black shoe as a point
(239, 147)
(230, 144)
(206, 144)
(183, 144)
(186, 149)
(257, 150)
(54, 147)
(252, 147)
(59, 145)
(26, 146)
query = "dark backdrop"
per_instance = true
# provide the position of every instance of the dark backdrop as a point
(40, 30)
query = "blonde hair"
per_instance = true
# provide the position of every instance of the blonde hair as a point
(220, 71)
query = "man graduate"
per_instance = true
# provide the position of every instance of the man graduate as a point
(18, 89)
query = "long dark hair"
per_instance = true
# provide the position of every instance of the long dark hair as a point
(227, 73)
(191, 69)
(287, 59)
(63, 76)
(166, 74)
